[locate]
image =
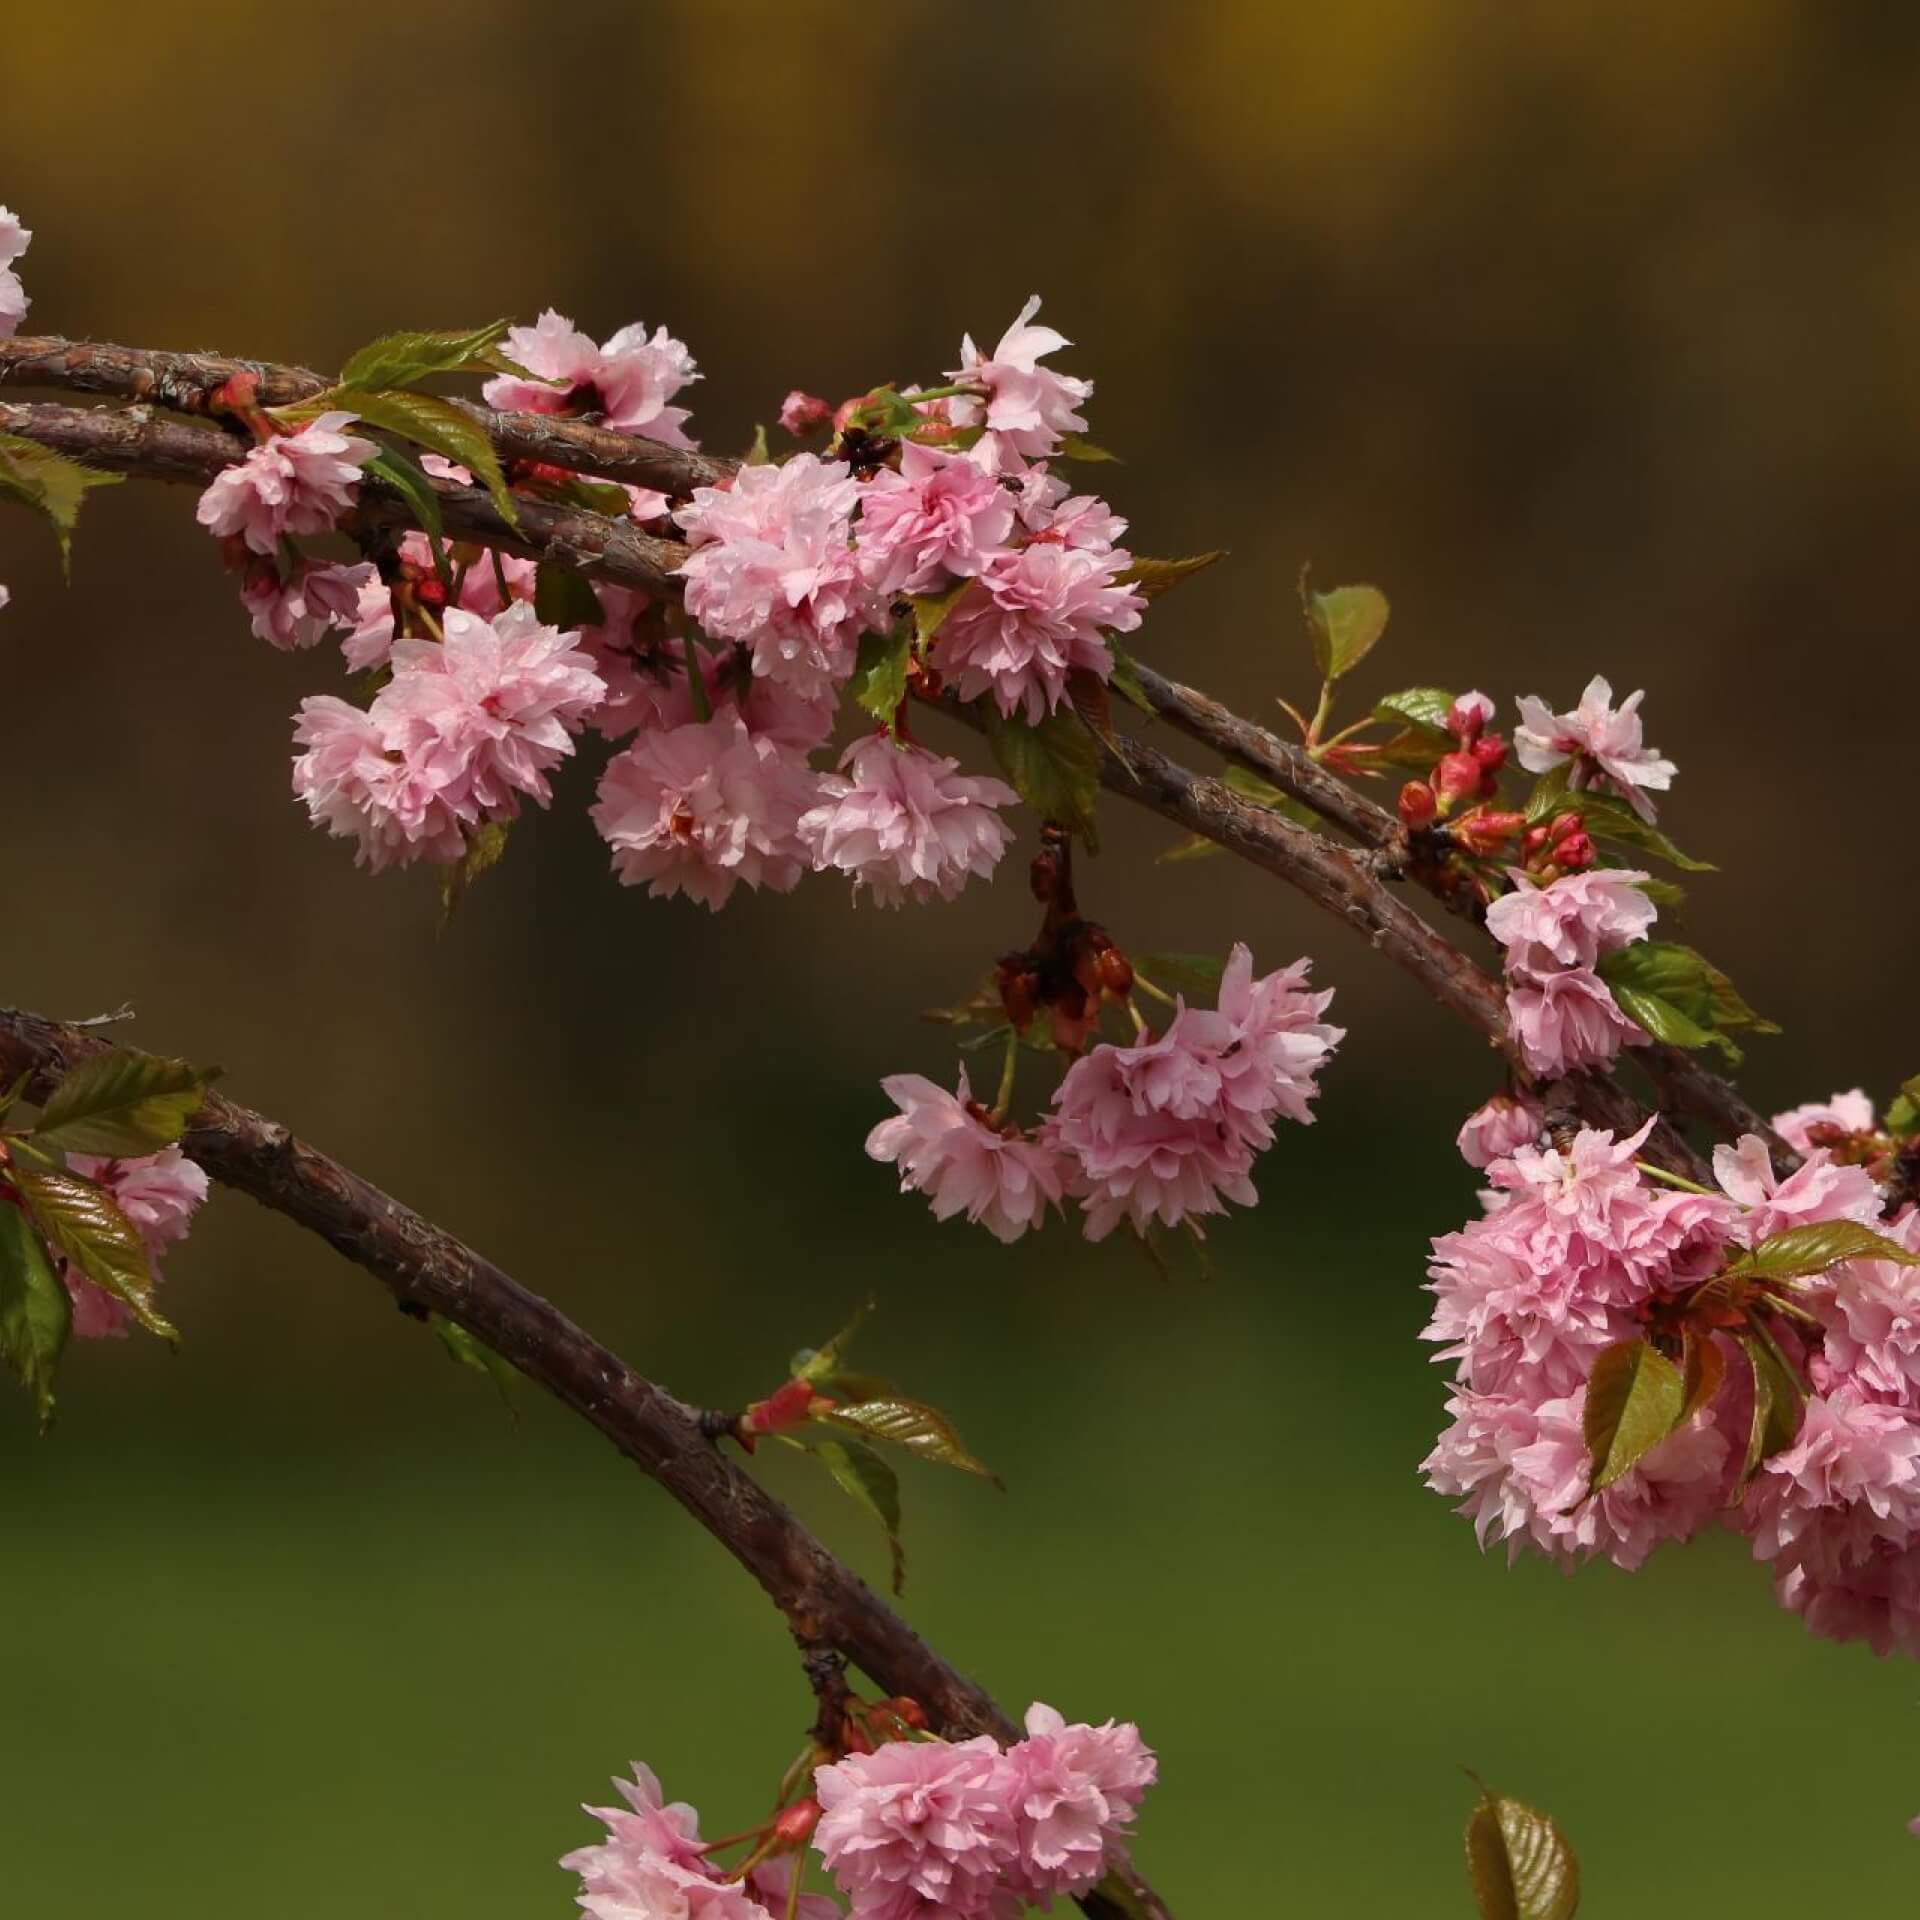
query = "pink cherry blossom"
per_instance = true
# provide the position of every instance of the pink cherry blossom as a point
(772, 566)
(1027, 407)
(1602, 743)
(14, 239)
(650, 1866)
(1503, 1124)
(946, 1149)
(1850, 1112)
(298, 612)
(1521, 1469)
(492, 710)
(357, 787)
(1566, 1020)
(906, 823)
(1039, 613)
(937, 520)
(159, 1193)
(919, 1828)
(1050, 510)
(1470, 715)
(626, 384)
(294, 483)
(1276, 1043)
(1077, 1788)
(802, 412)
(1819, 1189)
(1871, 1309)
(698, 809)
(1572, 922)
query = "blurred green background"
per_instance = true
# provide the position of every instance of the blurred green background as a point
(1588, 333)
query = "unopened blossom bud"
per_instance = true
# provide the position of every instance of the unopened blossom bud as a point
(430, 593)
(1574, 853)
(792, 1406)
(1535, 839)
(1455, 779)
(802, 412)
(1491, 752)
(1115, 972)
(1417, 804)
(1484, 831)
(794, 1825)
(1468, 715)
(1565, 826)
(905, 1709)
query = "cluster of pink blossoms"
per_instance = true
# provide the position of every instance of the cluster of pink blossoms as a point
(290, 484)
(159, 1193)
(919, 1829)
(1576, 1250)
(1562, 1013)
(625, 385)
(1156, 1134)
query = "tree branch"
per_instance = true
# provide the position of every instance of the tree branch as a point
(426, 1269)
(611, 551)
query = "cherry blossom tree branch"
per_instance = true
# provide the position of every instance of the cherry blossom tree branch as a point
(1346, 882)
(427, 1270)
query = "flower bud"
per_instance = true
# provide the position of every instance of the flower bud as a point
(1455, 779)
(801, 412)
(1115, 973)
(1574, 853)
(1491, 752)
(793, 1826)
(903, 1708)
(1484, 831)
(791, 1406)
(1417, 804)
(1567, 824)
(1535, 838)
(1468, 715)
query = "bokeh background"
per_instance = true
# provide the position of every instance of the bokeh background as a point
(1588, 333)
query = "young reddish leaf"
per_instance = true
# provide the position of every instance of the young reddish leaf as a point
(1344, 625)
(36, 1315)
(862, 1474)
(1703, 1369)
(84, 1224)
(122, 1104)
(1811, 1249)
(1634, 1397)
(1519, 1863)
(914, 1426)
(1152, 578)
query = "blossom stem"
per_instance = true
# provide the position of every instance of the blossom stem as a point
(1004, 1098)
(1145, 985)
(1671, 1179)
(1321, 714)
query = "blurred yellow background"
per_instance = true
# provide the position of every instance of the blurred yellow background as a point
(1587, 333)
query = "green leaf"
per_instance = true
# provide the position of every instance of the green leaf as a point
(1779, 1401)
(816, 1365)
(930, 611)
(51, 484)
(10, 1095)
(577, 490)
(1664, 894)
(402, 359)
(1125, 678)
(879, 682)
(1184, 972)
(1800, 1251)
(1073, 447)
(84, 1224)
(121, 1104)
(1054, 767)
(1635, 1395)
(1703, 1368)
(1903, 1115)
(1263, 793)
(443, 428)
(1678, 995)
(486, 843)
(1196, 846)
(1606, 819)
(1519, 1863)
(478, 1357)
(1344, 625)
(1423, 709)
(1152, 578)
(36, 1315)
(409, 480)
(564, 597)
(1664, 1021)
(861, 1473)
(922, 1430)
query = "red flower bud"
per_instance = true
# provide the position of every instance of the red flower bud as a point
(1534, 840)
(793, 1826)
(1456, 778)
(1574, 852)
(1485, 832)
(802, 412)
(1566, 825)
(1116, 973)
(791, 1406)
(430, 593)
(1417, 804)
(1467, 716)
(1491, 752)
(902, 1708)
